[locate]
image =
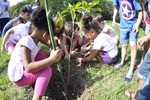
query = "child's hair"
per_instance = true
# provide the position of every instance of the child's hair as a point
(98, 17)
(58, 34)
(69, 29)
(88, 23)
(39, 20)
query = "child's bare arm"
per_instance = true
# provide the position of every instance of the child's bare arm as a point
(87, 46)
(64, 47)
(6, 37)
(92, 55)
(116, 9)
(39, 65)
(137, 24)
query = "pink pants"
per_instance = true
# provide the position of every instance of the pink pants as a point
(10, 47)
(41, 78)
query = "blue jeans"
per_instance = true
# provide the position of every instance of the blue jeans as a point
(144, 74)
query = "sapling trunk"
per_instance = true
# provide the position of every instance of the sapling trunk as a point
(54, 46)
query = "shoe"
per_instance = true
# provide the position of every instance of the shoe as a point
(118, 65)
(128, 77)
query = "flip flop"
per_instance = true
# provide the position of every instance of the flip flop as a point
(129, 94)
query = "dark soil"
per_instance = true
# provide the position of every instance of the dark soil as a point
(76, 82)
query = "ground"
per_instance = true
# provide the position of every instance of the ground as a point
(76, 83)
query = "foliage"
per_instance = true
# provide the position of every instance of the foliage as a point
(88, 7)
(107, 9)
(15, 10)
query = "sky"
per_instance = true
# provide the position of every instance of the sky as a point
(13, 2)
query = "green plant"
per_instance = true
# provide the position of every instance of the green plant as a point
(89, 7)
(54, 44)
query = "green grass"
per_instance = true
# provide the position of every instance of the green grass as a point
(105, 83)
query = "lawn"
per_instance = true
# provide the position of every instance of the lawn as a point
(88, 83)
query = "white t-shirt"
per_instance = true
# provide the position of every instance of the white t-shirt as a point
(4, 8)
(103, 42)
(112, 34)
(20, 31)
(15, 66)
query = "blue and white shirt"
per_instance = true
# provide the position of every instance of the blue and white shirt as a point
(128, 10)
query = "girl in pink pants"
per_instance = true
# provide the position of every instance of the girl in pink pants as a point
(27, 63)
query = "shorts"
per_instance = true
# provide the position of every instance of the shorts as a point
(106, 58)
(126, 34)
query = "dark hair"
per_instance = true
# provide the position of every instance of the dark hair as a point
(86, 19)
(39, 20)
(88, 23)
(69, 29)
(26, 8)
(98, 17)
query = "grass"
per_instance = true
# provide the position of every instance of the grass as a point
(105, 83)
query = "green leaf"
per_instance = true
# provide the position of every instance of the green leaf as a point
(97, 9)
(64, 11)
(78, 5)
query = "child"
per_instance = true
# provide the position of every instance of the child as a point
(105, 28)
(28, 64)
(71, 36)
(58, 34)
(147, 28)
(22, 18)
(103, 46)
(13, 35)
(129, 27)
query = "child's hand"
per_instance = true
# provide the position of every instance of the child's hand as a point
(73, 52)
(142, 41)
(56, 55)
(136, 27)
(67, 56)
(78, 60)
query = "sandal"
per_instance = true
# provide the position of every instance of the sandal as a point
(128, 77)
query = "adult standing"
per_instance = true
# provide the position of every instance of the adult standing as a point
(22, 18)
(4, 13)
